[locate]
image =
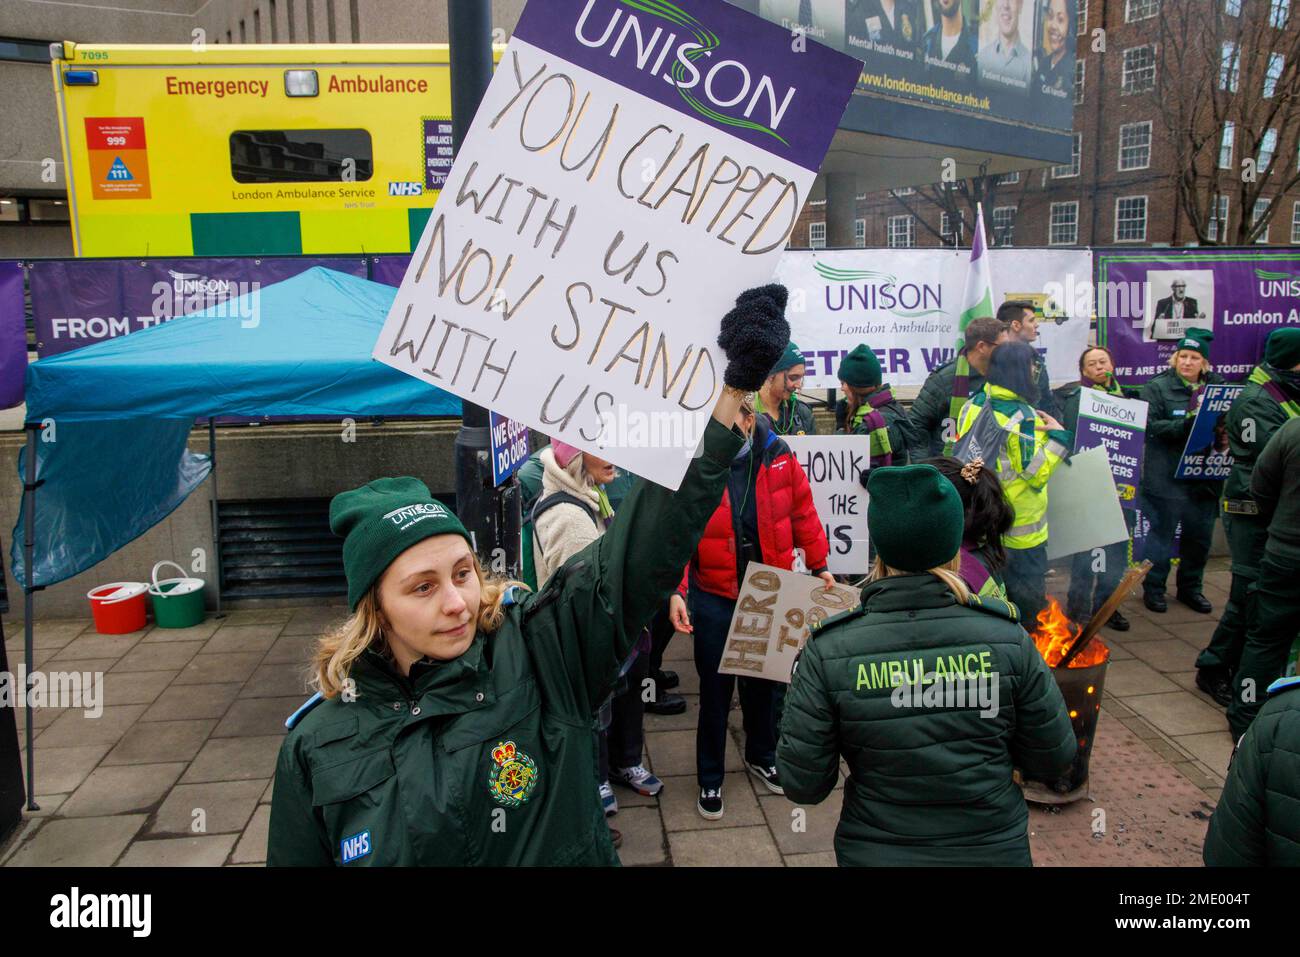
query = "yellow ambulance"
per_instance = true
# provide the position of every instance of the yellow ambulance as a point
(252, 149)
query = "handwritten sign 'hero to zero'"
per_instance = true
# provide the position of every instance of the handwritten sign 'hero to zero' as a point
(633, 166)
(775, 612)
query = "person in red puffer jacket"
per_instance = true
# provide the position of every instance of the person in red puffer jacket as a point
(766, 513)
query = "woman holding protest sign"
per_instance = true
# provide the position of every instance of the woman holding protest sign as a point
(1093, 577)
(988, 518)
(1029, 446)
(459, 696)
(1172, 399)
(930, 694)
(766, 513)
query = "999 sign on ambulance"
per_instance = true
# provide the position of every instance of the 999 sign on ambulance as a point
(238, 150)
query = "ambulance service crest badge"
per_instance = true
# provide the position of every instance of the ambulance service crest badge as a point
(513, 775)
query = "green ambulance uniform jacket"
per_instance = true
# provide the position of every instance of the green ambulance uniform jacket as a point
(1265, 416)
(898, 428)
(935, 404)
(794, 417)
(1167, 398)
(490, 759)
(1068, 396)
(1256, 823)
(925, 785)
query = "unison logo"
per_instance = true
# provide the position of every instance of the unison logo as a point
(868, 289)
(725, 85)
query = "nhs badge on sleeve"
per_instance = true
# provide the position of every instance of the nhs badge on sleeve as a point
(355, 847)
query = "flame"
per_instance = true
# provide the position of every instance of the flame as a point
(1056, 633)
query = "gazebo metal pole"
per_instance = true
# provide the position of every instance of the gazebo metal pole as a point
(212, 489)
(29, 602)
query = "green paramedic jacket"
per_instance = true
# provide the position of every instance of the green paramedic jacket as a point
(1255, 823)
(1167, 398)
(926, 785)
(489, 759)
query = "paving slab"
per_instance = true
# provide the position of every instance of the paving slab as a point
(259, 616)
(234, 759)
(49, 633)
(74, 728)
(252, 637)
(686, 721)
(180, 702)
(78, 842)
(1213, 749)
(220, 668)
(644, 841)
(158, 656)
(118, 790)
(291, 650)
(732, 847)
(98, 646)
(210, 851)
(1172, 655)
(819, 859)
(680, 795)
(251, 848)
(61, 770)
(1134, 677)
(1178, 712)
(249, 717)
(226, 807)
(135, 687)
(276, 681)
(315, 621)
(155, 742)
(200, 632)
(673, 753)
(802, 829)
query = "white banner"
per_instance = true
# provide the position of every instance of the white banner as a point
(904, 304)
(601, 218)
(834, 465)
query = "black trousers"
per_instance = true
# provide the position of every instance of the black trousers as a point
(1274, 621)
(622, 743)
(1197, 515)
(1089, 589)
(1246, 538)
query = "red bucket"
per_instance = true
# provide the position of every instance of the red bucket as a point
(118, 607)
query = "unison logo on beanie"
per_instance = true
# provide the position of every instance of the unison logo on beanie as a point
(409, 515)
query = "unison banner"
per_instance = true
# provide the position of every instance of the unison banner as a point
(13, 335)
(631, 169)
(1119, 425)
(904, 304)
(1147, 299)
(76, 302)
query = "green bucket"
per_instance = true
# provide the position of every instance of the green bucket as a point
(177, 602)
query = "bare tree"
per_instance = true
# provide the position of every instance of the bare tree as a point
(1221, 62)
(958, 200)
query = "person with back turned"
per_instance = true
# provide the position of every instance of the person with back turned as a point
(931, 695)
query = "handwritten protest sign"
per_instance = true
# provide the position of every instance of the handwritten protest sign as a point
(774, 613)
(834, 465)
(1083, 511)
(631, 169)
(1120, 425)
(1206, 456)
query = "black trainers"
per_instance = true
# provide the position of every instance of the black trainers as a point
(710, 803)
(1214, 682)
(768, 776)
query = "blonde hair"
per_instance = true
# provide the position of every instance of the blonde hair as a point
(949, 573)
(336, 651)
(1206, 368)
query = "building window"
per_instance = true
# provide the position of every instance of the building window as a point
(1229, 67)
(1004, 225)
(817, 235)
(1218, 219)
(1278, 13)
(1071, 168)
(1063, 226)
(48, 210)
(1079, 70)
(1232, 7)
(1267, 147)
(1225, 145)
(1131, 219)
(1082, 25)
(951, 236)
(1006, 179)
(905, 191)
(1257, 214)
(1135, 145)
(1295, 224)
(902, 232)
(1140, 10)
(1273, 73)
(1139, 70)
(860, 233)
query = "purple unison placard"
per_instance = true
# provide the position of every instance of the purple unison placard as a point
(76, 302)
(1119, 424)
(13, 335)
(1147, 299)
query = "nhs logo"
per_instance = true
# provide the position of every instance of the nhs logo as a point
(405, 189)
(355, 847)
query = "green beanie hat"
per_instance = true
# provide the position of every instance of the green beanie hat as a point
(860, 368)
(915, 516)
(793, 356)
(1198, 340)
(1282, 351)
(382, 519)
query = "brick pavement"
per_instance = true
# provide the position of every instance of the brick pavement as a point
(193, 720)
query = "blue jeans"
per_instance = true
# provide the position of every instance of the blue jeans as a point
(711, 617)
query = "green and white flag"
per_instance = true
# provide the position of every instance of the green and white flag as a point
(977, 297)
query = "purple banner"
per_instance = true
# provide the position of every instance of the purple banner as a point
(1119, 425)
(13, 335)
(389, 269)
(510, 446)
(1146, 300)
(76, 302)
(708, 60)
(437, 152)
(1207, 457)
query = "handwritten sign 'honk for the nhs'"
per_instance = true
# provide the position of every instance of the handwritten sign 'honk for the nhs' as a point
(634, 165)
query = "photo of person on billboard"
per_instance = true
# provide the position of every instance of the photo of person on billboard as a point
(950, 46)
(1004, 58)
(885, 27)
(1055, 60)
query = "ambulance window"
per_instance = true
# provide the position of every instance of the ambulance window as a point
(300, 156)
